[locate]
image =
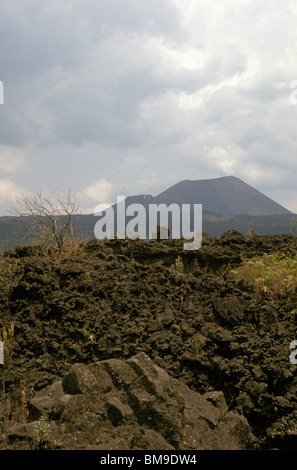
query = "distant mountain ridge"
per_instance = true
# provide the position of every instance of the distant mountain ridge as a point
(226, 195)
(227, 202)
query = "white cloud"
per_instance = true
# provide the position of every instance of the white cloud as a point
(11, 159)
(285, 197)
(9, 191)
(260, 174)
(133, 161)
(97, 193)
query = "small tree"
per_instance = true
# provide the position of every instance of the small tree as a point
(52, 219)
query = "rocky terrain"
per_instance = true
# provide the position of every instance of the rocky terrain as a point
(113, 347)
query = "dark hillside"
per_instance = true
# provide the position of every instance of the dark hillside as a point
(120, 304)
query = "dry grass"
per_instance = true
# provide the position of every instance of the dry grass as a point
(10, 272)
(75, 246)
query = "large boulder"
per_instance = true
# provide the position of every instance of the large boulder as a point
(133, 404)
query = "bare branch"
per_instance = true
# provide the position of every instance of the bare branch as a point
(52, 217)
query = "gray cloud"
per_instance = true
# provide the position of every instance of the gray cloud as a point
(189, 89)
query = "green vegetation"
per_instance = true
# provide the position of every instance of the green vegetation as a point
(41, 433)
(178, 267)
(275, 273)
(197, 343)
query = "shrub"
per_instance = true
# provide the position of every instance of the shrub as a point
(41, 433)
(274, 273)
(10, 272)
(52, 219)
(177, 268)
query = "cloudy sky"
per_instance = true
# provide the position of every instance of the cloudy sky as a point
(121, 97)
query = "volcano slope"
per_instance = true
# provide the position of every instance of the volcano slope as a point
(197, 335)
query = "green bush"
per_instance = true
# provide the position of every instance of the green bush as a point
(274, 273)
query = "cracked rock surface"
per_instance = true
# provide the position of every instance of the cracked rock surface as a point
(133, 404)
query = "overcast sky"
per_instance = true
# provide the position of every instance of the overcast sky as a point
(121, 97)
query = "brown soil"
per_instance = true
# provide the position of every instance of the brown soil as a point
(116, 299)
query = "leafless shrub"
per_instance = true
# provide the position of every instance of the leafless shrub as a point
(52, 220)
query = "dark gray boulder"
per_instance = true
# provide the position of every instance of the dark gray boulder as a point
(133, 404)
